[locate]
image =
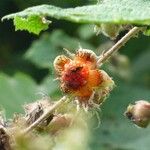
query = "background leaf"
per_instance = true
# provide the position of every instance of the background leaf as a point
(43, 51)
(141, 69)
(20, 89)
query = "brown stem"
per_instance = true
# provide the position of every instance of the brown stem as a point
(118, 45)
(45, 115)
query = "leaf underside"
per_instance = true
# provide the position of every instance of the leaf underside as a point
(107, 11)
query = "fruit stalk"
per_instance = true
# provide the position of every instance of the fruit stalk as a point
(104, 56)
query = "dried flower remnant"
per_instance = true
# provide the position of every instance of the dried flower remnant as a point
(81, 77)
(4, 140)
(139, 113)
(2, 119)
(36, 109)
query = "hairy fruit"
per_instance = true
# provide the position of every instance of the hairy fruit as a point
(81, 77)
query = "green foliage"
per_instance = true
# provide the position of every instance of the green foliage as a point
(33, 24)
(141, 69)
(20, 89)
(43, 51)
(147, 31)
(107, 11)
(86, 32)
(14, 91)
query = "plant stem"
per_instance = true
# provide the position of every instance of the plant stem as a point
(45, 115)
(118, 45)
(101, 59)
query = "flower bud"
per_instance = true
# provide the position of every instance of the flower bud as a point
(139, 113)
(109, 30)
(59, 122)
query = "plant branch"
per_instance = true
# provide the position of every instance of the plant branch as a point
(118, 45)
(101, 59)
(45, 115)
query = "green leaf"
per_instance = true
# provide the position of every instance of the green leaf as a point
(116, 132)
(44, 50)
(20, 89)
(141, 68)
(34, 24)
(50, 86)
(86, 32)
(147, 31)
(107, 11)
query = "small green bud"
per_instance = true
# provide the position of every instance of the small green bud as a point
(109, 30)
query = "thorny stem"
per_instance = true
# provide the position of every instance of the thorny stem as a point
(103, 57)
(45, 115)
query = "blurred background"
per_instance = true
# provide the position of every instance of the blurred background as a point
(26, 72)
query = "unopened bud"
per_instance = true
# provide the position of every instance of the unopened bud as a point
(109, 30)
(139, 113)
(59, 122)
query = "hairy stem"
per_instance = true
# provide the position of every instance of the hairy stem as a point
(118, 45)
(45, 115)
